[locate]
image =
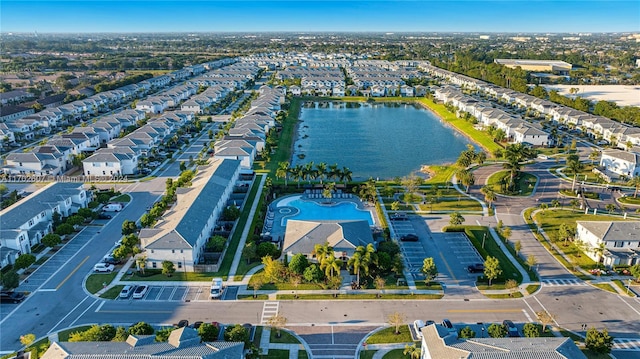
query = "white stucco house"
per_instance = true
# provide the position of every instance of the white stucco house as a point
(182, 233)
(621, 162)
(620, 241)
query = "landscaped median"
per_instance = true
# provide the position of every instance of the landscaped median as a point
(523, 186)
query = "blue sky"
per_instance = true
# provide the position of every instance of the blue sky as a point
(303, 15)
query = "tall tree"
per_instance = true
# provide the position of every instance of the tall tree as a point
(492, 268)
(321, 171)
(635, 182)
(574, 166)
(429, 269)
(283, 171)
(396, 320)
(598, 341)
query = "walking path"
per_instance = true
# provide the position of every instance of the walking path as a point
(247, 227)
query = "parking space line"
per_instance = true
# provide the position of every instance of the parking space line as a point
(448, 268)
(72, 272)
(515, 310)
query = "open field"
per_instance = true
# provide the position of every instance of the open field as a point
(622, 95)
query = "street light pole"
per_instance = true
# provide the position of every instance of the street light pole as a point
(483, 239)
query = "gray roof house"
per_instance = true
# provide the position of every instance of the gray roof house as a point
(438, 343)
(185, 228)
(344, 236)
(183, 343)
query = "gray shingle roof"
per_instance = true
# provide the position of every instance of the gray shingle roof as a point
(613, 231)
(48, 198)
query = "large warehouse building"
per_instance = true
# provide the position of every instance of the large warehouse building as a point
(535, 65)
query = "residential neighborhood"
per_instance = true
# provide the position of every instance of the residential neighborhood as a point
(318, 194)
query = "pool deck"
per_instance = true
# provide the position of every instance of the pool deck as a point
(278, 209)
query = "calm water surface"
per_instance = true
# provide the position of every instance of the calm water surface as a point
(375, 140)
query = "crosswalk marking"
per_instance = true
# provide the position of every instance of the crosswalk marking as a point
(269, 309)
(632, 344)
(562, 282)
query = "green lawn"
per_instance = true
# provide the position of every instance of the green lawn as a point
(367, 354)
(285, 337)
(388, 335)
(287, 136)
(480, 137)
(250, 297)
(96, 281)
(124, 198)
(395, 354)
(550, 221)
(525, 183)
(432, 286)
(276, 354)
(476, 235)
(605, 286)
(630, 200)
(440, 175)
(155, 275)
(452, 204)
(622, 286)
(113, 292)
(504, 296)
(532, 288)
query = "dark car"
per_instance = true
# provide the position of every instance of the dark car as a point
(111, 260)
(447, 324)
(182, 323)
(512, 330)
(197, 324)
(103, 215)
(11, 297)
(409, 238)
(476, 268)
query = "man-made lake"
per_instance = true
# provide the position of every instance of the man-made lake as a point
(378, 140)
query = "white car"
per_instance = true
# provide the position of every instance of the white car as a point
(103, 267)
(127, 291)
(417, 325)
(140, 292)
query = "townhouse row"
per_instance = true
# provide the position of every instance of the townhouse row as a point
(182, 233)
(25, 223)
(616, 162)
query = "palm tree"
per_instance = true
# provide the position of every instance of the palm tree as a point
(334, 172)
(513, 166)
(362, 259)
(412, 351)
(594, 156)
(297, 173)
(574, 166)
(345, 175)
(321, 170)
(283, 171)
(635, 182)
(308, 171)
(489, 194)
(466, 177)
(331, 264)
(322, 252)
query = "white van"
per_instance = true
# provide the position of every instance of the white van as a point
(217, 288)
(112, 207)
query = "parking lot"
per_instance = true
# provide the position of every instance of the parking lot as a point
(181, 293)
(452, 252)
(414, 252)
(60, 258)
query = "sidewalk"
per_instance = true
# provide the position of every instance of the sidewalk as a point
(247, 227)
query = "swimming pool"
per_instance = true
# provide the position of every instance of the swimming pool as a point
(309, 210)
